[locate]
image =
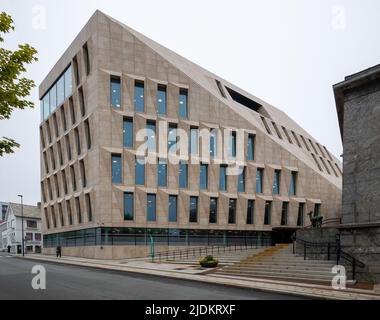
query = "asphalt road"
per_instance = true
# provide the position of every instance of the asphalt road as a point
(70, 282)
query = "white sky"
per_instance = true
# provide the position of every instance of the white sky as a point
(287, 52)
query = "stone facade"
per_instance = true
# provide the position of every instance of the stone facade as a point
(78, 193)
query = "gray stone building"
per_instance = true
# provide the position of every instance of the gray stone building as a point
(99, 199)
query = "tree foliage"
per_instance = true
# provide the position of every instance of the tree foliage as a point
(14, 88)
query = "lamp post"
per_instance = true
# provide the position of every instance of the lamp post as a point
(22, 223)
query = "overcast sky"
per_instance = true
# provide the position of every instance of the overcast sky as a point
(287, 52)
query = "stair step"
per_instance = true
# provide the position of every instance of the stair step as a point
(281, 271)
(280, 275)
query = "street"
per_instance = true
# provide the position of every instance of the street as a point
(69, 282)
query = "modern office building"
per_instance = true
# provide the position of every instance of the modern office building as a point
(112, 87)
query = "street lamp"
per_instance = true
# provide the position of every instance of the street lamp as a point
(22, 223)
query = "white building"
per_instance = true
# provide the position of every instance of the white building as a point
(12, 235)
(3, 227)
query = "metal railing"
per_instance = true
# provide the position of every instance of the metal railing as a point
(193, 252)
(329, 249)
(327, 222)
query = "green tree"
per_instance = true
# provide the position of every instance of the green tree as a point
(14, 88)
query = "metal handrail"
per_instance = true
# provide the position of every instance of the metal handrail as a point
(325, 222)
(330, 245)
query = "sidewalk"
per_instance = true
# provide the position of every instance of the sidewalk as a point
(195, 273)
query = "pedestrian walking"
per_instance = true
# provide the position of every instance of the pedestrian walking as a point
(59, 252)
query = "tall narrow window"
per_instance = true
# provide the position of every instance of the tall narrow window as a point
(161, 100)
(276, 182)
(76, 71)
(72, 111)
(162, 174)
(79, 211)
(50, 190)
(52, 158)
(42, 138)
(55, 122)
(172, 139)
(259, 180)
(193, 218)
(241, 180)
(250, 211)
(53, 98)
(251, 147)
(47, 220)
(223, 178)
(284, 213)
(296, 138)
(64, 181)
(68, 82)
(116, 169)
(151, 134)
(46, 162)
(57, 186)
(86, 57)
(115, 92)
(88, 133)
(128, 133)
(54, 217)
(266, 125)
(43, 192)
(194, 141)
(128, 206)
(301, 215)
(183, 172)
(232, 211)
(62, 220)
(68, 212)
(203, 177)
(48, 131)
(82, 103)
(183, 97)
(213, 143)
(139, 172)
(317, 210)
(68, 147)
(213, 210)
(89, 207)
(233, 144)
(63, 119)
(268, 213)
(276, 129)
(83, 174)
(293, 184)
(139, 96)
(151, 207)
(173, 208)
(77, 141)
(59, 147)
(73, 179)
(305, 143)
(287, 134)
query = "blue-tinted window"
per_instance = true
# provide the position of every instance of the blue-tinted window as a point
(203, 177)
(172, 139)
(193, 209)
(116, 169)
(250, 211)
(183, 175)
(182, 112)
(172, 208)
(53, 98)
(115, 92)
(151, 207)
(241, 180)
(60, 90)
(46, 106)
(162, 174)
(268, 213)
(223, 178)
(68, 82)
(194, 139)
(151, 134)
(128, 206)
(161, 100)
(276, 182)
(140, 172)
(251, 148)
(293, 184)
(233, 144)
(213, 210)
(284, 213)
(259, 180)
(213, 143)
(128, 133)
(232, 211)
(139, 96)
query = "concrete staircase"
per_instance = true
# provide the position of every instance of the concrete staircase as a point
(280, 263)
(225, 258)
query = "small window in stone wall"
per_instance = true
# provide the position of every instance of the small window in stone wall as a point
(82, 103)
(86, 57)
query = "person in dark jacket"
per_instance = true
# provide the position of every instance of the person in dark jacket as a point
(59, 252)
